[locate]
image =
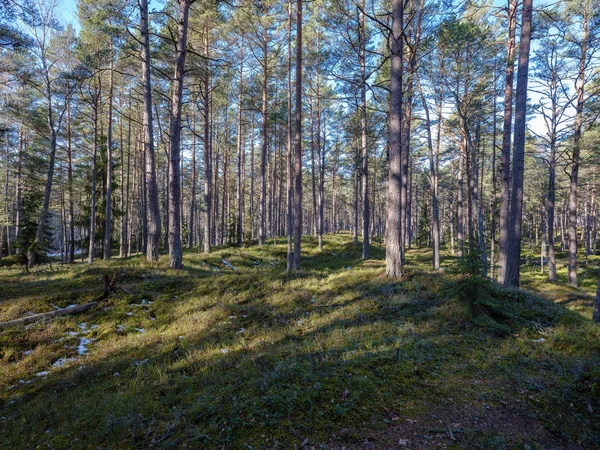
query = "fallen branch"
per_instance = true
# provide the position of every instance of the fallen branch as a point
(58, 312)
(110, 286)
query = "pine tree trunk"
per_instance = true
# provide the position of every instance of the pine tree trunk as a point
(92, 248)
(596, 313)
(240, 158)
(580, 84)
(207, 155)
(363, 131)
(192, 213)
(506, 135)
(298, 143)
(175, 248)
(289, 174)
(109, 171)
(513, 260)
(263, 154)
(435, 224)
(19, 190)
(154, 228)
(393, 245)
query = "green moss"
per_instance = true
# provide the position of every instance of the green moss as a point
(256, 358)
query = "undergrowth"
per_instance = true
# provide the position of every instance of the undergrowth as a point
(232, 352)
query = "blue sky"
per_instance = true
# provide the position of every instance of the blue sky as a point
(67, 10)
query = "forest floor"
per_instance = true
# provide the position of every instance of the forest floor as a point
(232, 353)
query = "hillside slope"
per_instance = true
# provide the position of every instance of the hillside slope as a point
(233, 353)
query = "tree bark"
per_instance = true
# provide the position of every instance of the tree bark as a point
(298, 143)
(289, 174)
(192, 213)
(154, 230)
(71, 255)
(513, 260)
(506, 135)
(240, 159)
(109, 171)
(264, 149)
(393, 246)
(579, 89)
(363, 131)
(175, 248)
(92, 248)
(207, 153)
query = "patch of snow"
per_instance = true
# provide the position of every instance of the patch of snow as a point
(224, 351)
(142, 303)
(43, 373)
(241, 330)
(228, 264)
(141, 330)
(28, 352)
(348, 268)
(59, 363)
(116, 374)
(94, 326)
(120, 328)
(538, 340)
(82, 326)
(130, 314)
(83, 342)
(73, 333)
(232, 317)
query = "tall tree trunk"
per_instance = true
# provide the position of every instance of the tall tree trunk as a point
(506, 135)
(175, 249)
(19, 190)
(71, 255)
(288, 129)
(125, 191)
(435, 225)
(240, 159)
(92, 248)
(312, 168)
(191, 221)
(494, 201)
(109, 170)
(144, 202)
(320, 161)
(393, 246)
(207, 152)
(460, 208)
(263, 154)
(298, 143)
(39, 235)
(596, 313)
(363, 130)
(579, 90)
(550, 201)
(153, 202)
(252, 190)
(513, 260)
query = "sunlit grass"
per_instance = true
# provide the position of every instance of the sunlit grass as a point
(336, 356)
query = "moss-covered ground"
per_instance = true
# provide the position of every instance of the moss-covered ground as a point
(233, 353)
